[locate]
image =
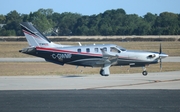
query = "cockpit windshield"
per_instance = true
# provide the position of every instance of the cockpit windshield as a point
(121, 48)
(117, 49)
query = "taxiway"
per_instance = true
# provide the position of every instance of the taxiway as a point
(117, 92)
(159, 80)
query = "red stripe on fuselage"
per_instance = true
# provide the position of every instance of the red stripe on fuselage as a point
(73, 52)
(31, 34)
(65, 51)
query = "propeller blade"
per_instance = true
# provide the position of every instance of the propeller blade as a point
(160, 59)
(160, 64)
(160, 49)
(161, 56)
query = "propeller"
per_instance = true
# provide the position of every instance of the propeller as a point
(161, 56)
(160, 59)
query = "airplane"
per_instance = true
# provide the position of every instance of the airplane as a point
(100, 55)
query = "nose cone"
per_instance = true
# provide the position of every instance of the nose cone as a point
(163, 55)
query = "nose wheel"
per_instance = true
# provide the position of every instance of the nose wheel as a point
(144, 71)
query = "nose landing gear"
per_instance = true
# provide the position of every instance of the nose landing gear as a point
(144, 71)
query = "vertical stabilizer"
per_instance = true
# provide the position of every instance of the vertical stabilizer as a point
(34, 37)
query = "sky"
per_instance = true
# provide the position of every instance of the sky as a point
(90, 7)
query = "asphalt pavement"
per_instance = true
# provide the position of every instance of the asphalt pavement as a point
(157, 80)
(157, 92)
(90, 101)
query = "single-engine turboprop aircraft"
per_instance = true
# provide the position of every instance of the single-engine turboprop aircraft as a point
(104, 55)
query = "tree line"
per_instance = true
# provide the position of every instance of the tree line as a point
(110, 22)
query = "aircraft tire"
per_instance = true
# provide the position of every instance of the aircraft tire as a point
(102, 73)
(145, 73)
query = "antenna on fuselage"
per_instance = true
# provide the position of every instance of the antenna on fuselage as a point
(79, 43)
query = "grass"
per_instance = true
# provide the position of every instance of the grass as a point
(45, 68)
(10, 49)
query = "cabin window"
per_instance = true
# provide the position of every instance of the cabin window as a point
(114, 50)
(87, 50)
(79, 50)
(96, 49)
(105, 49)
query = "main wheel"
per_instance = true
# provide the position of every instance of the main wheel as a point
(103, 73)
(144, 73)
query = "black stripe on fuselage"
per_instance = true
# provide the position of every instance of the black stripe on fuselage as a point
(86, 59)
(58, 56)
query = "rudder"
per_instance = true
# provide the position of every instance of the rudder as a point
(34, 37)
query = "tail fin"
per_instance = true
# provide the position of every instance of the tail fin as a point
(34, 37)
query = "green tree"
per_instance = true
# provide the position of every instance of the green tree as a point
(40, 20)
(110, 22)
(80, 24)
(2, 19)
(12, 26)
(166, 24)
(150, 21)
(178, 32)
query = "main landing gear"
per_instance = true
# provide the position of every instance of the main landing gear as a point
(102, 72)
(144, 71)
(105, 70)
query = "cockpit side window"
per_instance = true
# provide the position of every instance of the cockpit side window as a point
(114, 50)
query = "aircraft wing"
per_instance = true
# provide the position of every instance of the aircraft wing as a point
(108, 58)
